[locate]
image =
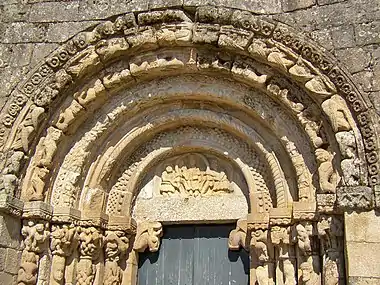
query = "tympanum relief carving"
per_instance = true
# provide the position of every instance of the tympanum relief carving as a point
(192, 175)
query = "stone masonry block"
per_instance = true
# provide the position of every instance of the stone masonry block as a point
(343, 36)
(12, 260)
(259, 7)
(54, 12)
(10, 229)
(292, 5)
(356, 59)
(363, 259)
(368, 33)
(362, 227)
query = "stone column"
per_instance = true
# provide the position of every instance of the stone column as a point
(115, 247)
(306, 236)
(90, 245)
(64, 240)
(35, 258)
(285, 255)
(330, 231)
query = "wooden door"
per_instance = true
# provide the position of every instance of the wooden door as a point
(194, 255)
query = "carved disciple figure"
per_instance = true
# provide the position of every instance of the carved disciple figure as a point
(309, 277)
(328, 177)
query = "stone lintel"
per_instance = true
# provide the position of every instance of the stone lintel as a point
(94, 219)
(122, 223)
(257, 221)
(10, 205)
(66, 215)
(304, 210)
(355, 198)
(37, 210)
(326, 203)
(280, 216)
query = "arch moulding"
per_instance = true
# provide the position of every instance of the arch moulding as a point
(216, 107)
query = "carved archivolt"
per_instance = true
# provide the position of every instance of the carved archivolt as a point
(103, 110)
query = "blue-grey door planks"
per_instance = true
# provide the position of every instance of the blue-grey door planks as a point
(194, 255)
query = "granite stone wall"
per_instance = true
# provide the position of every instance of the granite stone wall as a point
(348, 29)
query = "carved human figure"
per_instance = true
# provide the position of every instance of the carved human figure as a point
(263, 257)
(64, 240)
(91, 242)
(35, 235)
(328, 177)
(27, 128)
(148, 236)
(285, 253)
(48, 147)
(308, 275)
(115, 245)
(303, 236)
(27, 274)
(36, 190)
(170, 181)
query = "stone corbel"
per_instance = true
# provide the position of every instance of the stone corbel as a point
(238, 237)
(355, 198)
(148, 236)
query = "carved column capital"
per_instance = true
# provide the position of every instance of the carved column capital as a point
(90, 242)
(64, 239)
(36, 236)
(116, 243)
(148, 236)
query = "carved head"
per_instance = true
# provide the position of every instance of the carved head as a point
(322, 155)
(307, 270)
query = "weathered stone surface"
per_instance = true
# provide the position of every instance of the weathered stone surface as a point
(12, 257)
(368, 33)
(356, 59)
(54, 12)
(259, 7)
(10, 229)
(328, 2)
(291, 5)
(343, 36)
(359, 266)
(323, 37)
(61, 32)
(20, 32)
(361, 227)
